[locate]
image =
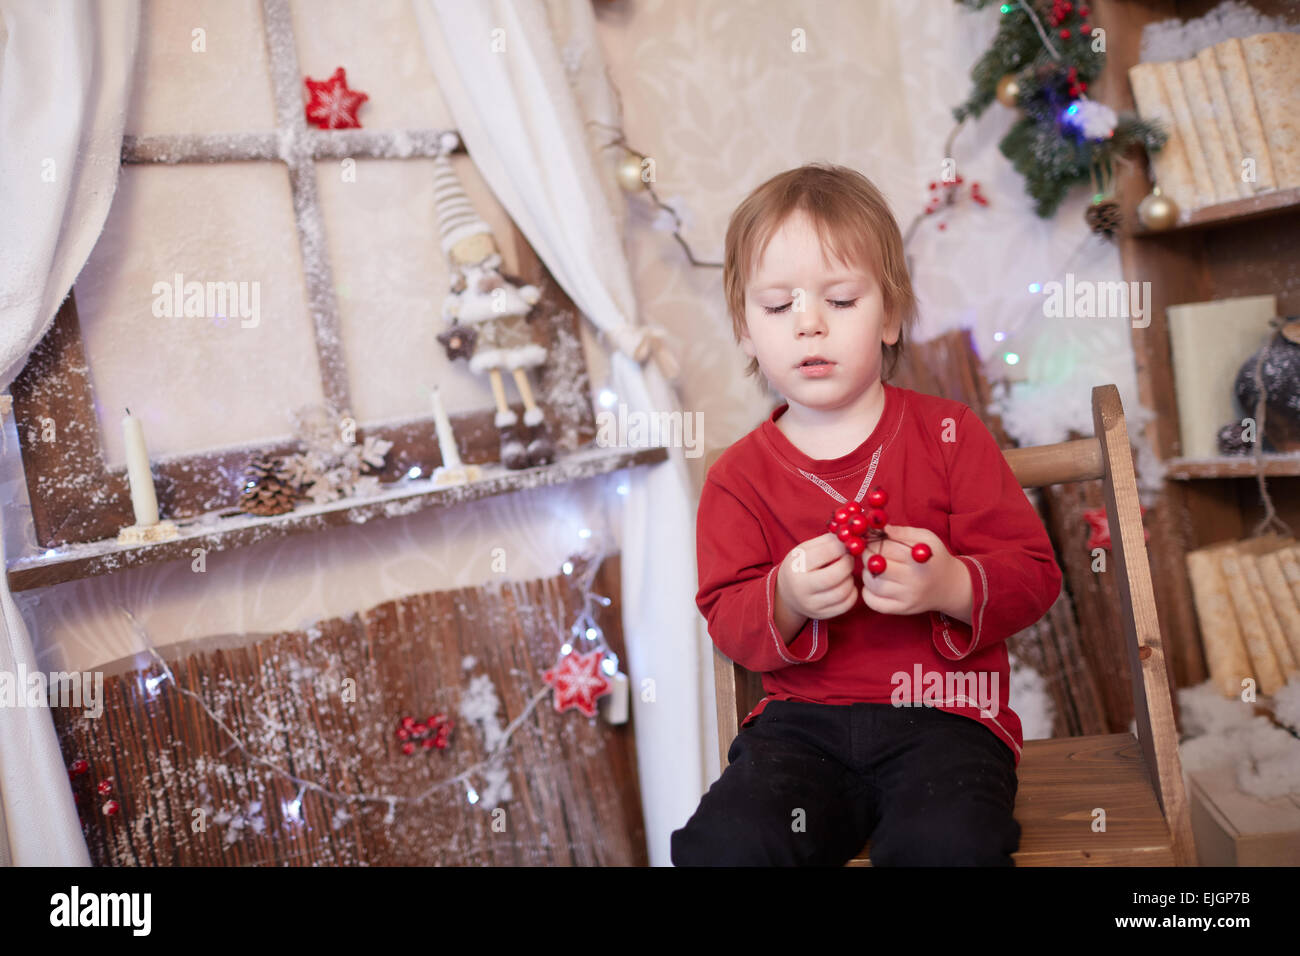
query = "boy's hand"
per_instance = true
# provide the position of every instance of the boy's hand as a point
(816, 578)
(908, 586)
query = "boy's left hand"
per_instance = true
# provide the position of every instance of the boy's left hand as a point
(907, 586)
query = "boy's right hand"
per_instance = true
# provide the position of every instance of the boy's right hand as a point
(816, 578)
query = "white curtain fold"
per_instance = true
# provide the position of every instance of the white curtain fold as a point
(65, 75)
(502, 76)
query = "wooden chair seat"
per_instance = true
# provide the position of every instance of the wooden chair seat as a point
(1061, 782)
(1137, 782)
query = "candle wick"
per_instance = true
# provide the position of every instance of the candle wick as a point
(128, 411)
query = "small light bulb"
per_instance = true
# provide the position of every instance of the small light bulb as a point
(584, 532)
(998, 336)
(607, 398)
(414, 472)
(567, 567)
(1011, 358)
(472, 795)
(1035, 287)
(592, 633)
(567, 648)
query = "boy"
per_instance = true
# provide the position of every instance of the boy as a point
(885, 715)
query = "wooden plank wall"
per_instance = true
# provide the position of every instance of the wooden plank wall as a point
(574, 779)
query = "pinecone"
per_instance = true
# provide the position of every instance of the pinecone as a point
(267, 488)
(1104, 217)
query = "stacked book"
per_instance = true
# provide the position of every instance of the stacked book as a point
(1247, 596)
(1232, 113)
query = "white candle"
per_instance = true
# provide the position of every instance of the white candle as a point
(143, 498)
(446, 440)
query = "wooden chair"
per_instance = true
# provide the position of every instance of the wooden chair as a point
(1137, 782)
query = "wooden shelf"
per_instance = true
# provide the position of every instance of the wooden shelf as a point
(1273, 203)
(1232, 466)
(226, 530)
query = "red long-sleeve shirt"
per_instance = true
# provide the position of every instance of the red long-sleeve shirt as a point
(942, 470)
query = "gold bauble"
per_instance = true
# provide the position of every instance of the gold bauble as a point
(1158, 212)
(629, 173)
(1008, 90)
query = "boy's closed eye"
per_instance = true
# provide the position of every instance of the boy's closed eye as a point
(838, 303)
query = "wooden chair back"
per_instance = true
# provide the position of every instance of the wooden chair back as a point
(1108, 456)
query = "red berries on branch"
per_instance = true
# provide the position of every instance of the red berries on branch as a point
(856, 527)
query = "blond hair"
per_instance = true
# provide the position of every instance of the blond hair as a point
(852, 219)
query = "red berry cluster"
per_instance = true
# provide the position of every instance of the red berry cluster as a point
(1061, 9)
(430, 733)
(855, 527)
(80, 768)
(1077, 86)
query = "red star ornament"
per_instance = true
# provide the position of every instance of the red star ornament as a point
(578, 682)
(1099, 536)
(331, 105)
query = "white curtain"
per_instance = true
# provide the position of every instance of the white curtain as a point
(65, 75)
(522, 125)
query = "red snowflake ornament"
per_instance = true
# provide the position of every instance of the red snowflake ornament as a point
(1099, 536)
(331, 105)
(578, 681)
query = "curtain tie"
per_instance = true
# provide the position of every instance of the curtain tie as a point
(642, 342)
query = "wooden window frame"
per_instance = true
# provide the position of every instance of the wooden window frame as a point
(76, 498)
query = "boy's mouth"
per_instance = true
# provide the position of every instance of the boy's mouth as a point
(814, 360)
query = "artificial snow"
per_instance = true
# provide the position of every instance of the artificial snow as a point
(1226, 734)
(1175, 39)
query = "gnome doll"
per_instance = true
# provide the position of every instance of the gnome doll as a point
(489, 317)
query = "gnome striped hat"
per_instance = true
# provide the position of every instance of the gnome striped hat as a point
(457, 219)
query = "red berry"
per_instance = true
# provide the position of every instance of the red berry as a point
(832, 526)
(1084, 11)
(403, 733)
(1086, 29)
(1067, 6)
(877, 498)
(858, 524)
(853, 508)
(933, 185)
(844, 534)
(842, 515)
(1083, 87)
(427, 743)
(79, 767)
(408, 722)
(441, 743)
(876, 564)
(105, 787)
(111, 808)
(943, 226)
(928, 210)
(877, 518)
(408, 748)
(958, 179)
(921, 552)
(1065, 34)
(419, 729)
(856, 546)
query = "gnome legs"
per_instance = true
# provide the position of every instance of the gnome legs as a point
(514, 453)
(541, 450)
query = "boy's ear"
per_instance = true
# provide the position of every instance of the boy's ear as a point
(747, 344)
(892, 330)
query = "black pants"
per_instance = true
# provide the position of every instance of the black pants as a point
(808, 784)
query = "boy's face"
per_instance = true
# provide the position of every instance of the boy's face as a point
(842, 320)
